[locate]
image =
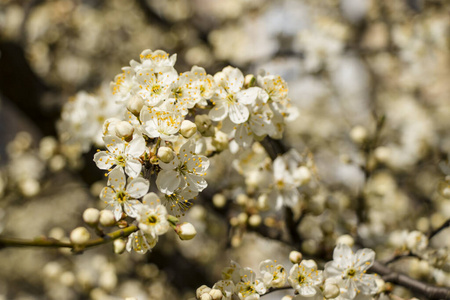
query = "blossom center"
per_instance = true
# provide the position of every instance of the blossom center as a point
(152, 220)
(121, 197)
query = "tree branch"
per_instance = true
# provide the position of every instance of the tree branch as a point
(416, 286)
(53, 243)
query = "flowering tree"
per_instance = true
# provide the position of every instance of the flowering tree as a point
(179, 148)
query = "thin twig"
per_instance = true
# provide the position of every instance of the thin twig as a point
(416, 286)
(46, 242)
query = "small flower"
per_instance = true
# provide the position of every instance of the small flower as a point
(249, 287)
(226, 287)
(121, 154)
(351, 269)
(152, 216)
(140, 242)
(305, 278)
(162, 123)
(273, 275)
(232, 272)
(121, 198)
(230, 99)
(186, 170)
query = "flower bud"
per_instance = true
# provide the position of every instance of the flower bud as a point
(109, 126)
(91, 216)
(242, 218)
(80, 236)
(331, 291)
(204, 125)
(219, 200)
(295, 257)
(216, 294)
(124, 129)
(345, 239)
(249, 80)
(302, 175)
(416, 241)
(202, 290)
(188, 129)
(220, 141)
(287, 297)
(107, 218)
(186, 231)
(358, 134)
(205, 297)
(135, 105)
(382, 154)
(255, 220)
(119, 246)
(165, 154)
(242, 199)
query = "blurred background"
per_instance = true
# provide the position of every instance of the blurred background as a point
(358, 71)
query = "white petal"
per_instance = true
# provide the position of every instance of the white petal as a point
(116, 179)
(114, 144)
(132, 207)
(138, 187)
(107, 194)
(195, 182)
(238, 113)
(133, 167)
(168, 181)
(219, 112)
(136, 147)
(248, 96)
(104, 160)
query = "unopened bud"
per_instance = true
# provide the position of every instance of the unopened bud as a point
(382, 154)
(255, 220)
(287, 297)
(188, 129)
(345, 239)
(358, 134)
(202, 290)
(205, 297)
(107, 218)
(302, 175)
(216, 294)
(249, 80)
(165, 154)
(220, 141)
(186, 231)
(119, 246)
(219, 200)
(295, 257)
(263, 202)
(204, 125)
(91, 216)
(80, 236)
(242, 199)
(135, 105)
(242, 218)
(331, 291)
(124, 129)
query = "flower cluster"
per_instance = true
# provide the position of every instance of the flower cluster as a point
(343, 278)
(156, 134)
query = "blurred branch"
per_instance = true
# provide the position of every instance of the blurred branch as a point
(53, 243)
(439, 229)
(416, 286)
(398, 257)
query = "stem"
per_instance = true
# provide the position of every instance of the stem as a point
(53, 243)
(416, 286)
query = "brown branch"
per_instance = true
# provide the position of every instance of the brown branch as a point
(53, 243)
(439, 229)
(416, 286)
